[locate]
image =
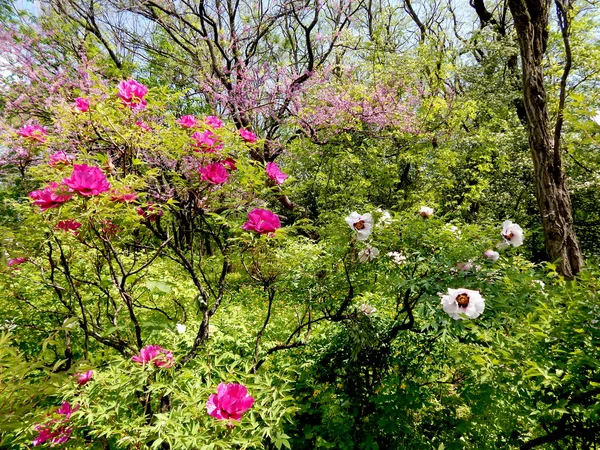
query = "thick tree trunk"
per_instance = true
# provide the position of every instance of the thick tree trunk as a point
(531, 23)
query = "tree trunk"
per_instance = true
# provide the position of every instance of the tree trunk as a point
(531, 23)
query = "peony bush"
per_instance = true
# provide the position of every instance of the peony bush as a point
(189, 308)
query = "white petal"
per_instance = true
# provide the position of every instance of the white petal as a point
(352, 219)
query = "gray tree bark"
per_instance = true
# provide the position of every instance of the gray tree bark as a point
(554, 201)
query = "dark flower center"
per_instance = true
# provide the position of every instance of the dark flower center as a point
(360, 225)
(509, 235)
(462, 300)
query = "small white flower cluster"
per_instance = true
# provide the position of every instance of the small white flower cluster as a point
(397, 257)
(458, 303)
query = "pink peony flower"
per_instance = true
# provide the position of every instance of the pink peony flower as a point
(230, 402)
(143, 126)
(16, 262)
(150, 212)
(230, 164)
(87, 181)
(215, 173)
(187, 121)
(275, 173)
(51, 196)
(33, 132)
(66, 410)
(132, 94)
(465, 266)
(82, 104)
(156, 355)
(45, 433)
(48, 432)
(262, 221)
(214, 122)
(85, 377)
(60, 157)
(248, 136)
(68, 225)
(128, 195)
(206, 141)
(54, 430)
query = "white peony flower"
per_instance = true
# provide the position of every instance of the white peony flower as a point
(362, 224)
(367, 309)
(491, 255)
(426, 211)
(463, 302)
(596, 118)
(398, 257)
(385, 218)
(540, 283)
(512, 233)
(181, 328)
(368, 254)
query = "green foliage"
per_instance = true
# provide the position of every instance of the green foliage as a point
(338, 349)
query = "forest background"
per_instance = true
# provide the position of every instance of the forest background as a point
(230, 224)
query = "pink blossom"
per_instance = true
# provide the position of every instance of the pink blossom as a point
(248, 136)
(51, 196)
(68, 225)
(491, 255)
(33, 132)
(156, 355)
(128, 195)
(54, 430)
(16, 261)
(66, 410)
(60, 157)
(187, 121)
(215, 173)
(143, 126)
(275, 173)
(262, 221)
(230, 402)
(230, 164)
(150, 212)
(47, 432)
(214, 122)
(132, 94)
(83, 378)
(82, 104)
(206, 141)
(87, 180)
